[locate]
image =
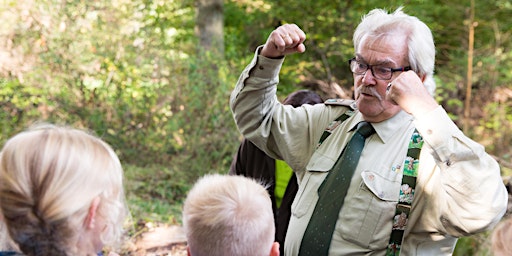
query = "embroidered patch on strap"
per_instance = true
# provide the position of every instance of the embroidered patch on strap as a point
(406, 195)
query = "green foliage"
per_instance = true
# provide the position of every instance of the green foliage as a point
(156, 193)
(474, 245)
(19, 104)
(206, 120)
(131, 71)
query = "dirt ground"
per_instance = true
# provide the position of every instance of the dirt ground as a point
(158, 241)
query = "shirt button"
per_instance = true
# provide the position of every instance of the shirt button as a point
(429, 131)
(260, 67)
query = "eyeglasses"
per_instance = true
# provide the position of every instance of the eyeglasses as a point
(379, 72)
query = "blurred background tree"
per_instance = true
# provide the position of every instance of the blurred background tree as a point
(153, 78)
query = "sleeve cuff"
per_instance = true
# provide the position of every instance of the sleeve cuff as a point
(265, 68)
(436, 127)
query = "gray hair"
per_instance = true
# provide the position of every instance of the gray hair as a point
(421, 48)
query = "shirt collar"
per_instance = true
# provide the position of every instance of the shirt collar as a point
(387, 128)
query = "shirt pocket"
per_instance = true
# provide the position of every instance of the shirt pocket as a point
(368, 220)
(307, 195)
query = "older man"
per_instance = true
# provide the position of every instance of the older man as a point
(409, 180)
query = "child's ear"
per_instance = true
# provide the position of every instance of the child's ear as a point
(91, 214)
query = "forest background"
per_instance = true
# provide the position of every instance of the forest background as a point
(153, 78)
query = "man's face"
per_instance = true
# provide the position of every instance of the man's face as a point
(370, 93)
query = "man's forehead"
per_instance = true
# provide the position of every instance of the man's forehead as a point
(384, 60)
(388, 48)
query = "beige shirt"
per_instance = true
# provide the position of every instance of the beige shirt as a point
(459, 189)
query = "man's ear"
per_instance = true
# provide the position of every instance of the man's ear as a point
(275, 249)
(91, 214)
(423, 77)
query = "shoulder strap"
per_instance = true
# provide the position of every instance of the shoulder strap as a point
(332, 125)
(406, 196)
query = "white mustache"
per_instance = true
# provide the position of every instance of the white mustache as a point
(369, 90)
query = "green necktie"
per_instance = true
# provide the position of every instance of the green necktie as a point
(331, 194)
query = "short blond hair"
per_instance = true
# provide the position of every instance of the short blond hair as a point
(49, 176)
(228, 215)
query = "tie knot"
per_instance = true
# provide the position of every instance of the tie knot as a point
(365, 129)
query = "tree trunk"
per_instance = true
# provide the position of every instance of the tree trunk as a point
(210, 17)
(469, 76)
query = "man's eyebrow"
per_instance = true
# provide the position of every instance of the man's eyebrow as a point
(385, 61)
(360, 58)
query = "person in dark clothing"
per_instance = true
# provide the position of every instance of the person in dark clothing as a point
(250, 161)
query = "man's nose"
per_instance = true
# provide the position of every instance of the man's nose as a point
(368, 77)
